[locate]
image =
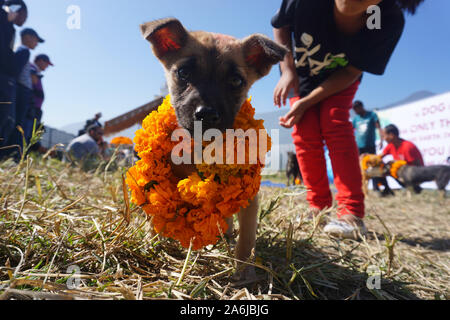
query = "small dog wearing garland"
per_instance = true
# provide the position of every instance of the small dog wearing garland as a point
(412, 176)
(408, 176)
(371, 166)
(209, 76)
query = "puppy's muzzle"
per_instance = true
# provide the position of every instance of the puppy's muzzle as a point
(207, 115)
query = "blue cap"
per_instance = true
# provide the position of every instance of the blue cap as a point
(43, 57)
(31, 32)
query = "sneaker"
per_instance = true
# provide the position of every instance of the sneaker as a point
(345, 230)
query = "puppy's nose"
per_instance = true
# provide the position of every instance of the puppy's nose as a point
(207, 114)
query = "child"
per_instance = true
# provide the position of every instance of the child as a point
(334, 45)
(24, 89)
(41, 63)
(11, 13)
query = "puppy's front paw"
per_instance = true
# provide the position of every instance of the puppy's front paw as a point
(245, 276)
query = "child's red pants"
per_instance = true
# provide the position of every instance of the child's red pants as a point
(329, 122)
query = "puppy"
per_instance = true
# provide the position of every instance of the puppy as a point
(412, 176)
(292, 169)
(209, 76)
(371, 167)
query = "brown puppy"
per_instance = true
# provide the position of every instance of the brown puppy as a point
(371, 166)
(209, 76)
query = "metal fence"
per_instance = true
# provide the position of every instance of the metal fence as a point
(53, 136)
(276, 159)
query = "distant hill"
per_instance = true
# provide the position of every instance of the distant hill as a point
(73, 128)
(416, 96)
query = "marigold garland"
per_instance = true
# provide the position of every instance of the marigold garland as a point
(396, 165)
(121, 140)
(196, 207)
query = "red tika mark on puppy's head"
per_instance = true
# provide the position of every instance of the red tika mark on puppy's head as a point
(255, 57)
(166, 41)
(165, 35)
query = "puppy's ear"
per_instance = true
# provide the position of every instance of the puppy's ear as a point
(166, 35)
(261, 53)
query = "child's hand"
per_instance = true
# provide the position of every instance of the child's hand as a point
(288, 80)
(296, 113)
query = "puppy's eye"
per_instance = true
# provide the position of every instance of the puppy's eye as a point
(236, 81)
(183, 73)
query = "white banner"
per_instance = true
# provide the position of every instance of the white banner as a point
(426, 123)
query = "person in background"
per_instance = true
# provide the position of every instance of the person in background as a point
(24, 87)
(90, 122)
(41, 63)
(333, 47)
(365, 124)
(401, 149)
(86, 146)
(11, 13)
(105, 150)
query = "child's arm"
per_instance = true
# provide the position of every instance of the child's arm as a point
(289, 77)
(337, 82)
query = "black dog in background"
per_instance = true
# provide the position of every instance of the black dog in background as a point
(413, 176)
(292, 168)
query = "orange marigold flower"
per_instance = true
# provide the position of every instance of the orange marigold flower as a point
(396, 166)
(193, 209)
(121, 140)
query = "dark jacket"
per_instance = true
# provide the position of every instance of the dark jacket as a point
(7, 35)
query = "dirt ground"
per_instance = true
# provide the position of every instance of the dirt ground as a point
(408, 241)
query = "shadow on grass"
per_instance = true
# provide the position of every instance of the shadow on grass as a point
(315, 272)
(437, 244)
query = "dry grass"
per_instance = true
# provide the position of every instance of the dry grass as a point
(54, 217)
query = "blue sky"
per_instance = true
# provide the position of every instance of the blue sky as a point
(106, 65)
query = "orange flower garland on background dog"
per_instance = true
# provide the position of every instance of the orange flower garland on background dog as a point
(396, 165)
(196, 207)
